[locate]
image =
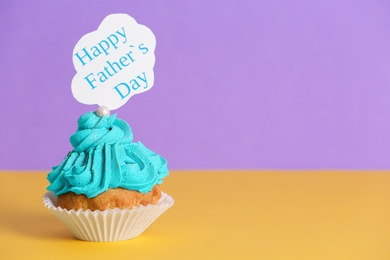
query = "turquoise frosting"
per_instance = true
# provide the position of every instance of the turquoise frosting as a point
(103, 157)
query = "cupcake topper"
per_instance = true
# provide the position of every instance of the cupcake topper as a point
(113, 63)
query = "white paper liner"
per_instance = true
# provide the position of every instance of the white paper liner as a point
(111, 224)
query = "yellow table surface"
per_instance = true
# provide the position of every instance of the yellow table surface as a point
(220, 215)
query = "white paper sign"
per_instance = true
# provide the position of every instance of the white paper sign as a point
(114, 62)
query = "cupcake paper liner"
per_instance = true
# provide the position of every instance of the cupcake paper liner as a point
(108, 225)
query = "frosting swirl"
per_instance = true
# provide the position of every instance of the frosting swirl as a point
(103, 157)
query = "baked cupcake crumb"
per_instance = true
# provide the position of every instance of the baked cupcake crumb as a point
(111, 199)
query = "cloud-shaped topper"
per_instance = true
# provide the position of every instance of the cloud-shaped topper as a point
(114, 62)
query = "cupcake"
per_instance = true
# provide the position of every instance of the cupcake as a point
(108, 187)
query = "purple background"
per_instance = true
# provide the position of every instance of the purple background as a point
(238, 84)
